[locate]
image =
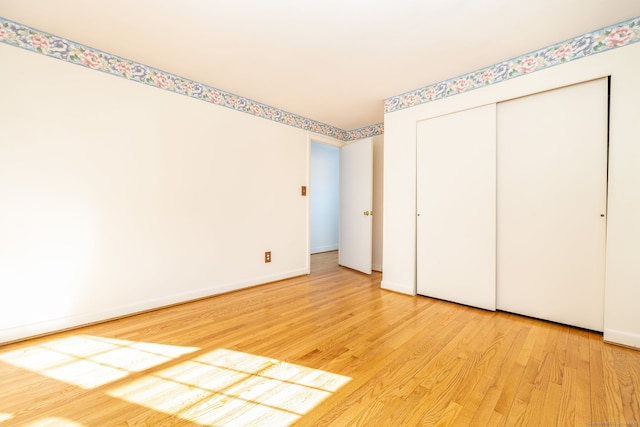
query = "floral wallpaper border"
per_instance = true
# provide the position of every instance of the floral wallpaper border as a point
(598, 41)
(15, 34)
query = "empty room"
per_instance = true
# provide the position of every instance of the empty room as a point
(278, 213)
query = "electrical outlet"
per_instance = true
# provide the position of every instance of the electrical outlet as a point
(267, 256)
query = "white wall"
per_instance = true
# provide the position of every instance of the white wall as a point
(117, 197)
(622, 290)
(324, 196)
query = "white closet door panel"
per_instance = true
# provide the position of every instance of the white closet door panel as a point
(456, 205)
(552, 171)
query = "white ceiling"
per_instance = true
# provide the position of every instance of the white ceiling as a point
(329, 60)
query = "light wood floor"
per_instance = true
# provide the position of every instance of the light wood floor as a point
(330, 348)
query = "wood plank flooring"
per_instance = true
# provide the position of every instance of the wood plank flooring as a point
(330, 348)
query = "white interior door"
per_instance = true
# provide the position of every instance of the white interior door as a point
(552, 177)
(456, 207)
(356, 202)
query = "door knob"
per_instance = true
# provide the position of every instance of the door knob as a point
(366, 213)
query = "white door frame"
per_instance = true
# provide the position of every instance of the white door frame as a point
(321, 140)
(335, 143)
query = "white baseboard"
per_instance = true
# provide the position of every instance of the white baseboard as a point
(398, 287)
(622, 338)
(327, 248)
(69, 322)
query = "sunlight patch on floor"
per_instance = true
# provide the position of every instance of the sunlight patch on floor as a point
(230, 387)
(5, 417)
(90, 361)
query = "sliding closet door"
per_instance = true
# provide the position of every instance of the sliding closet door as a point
(456, 206)
(552, 178)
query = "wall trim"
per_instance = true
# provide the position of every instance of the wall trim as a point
(398, 287)
(326, 248)
(622, 338)
(31, 39)
(65, 323)
(602, 40)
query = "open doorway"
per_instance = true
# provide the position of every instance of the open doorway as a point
(324, 200)
(325, 163)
